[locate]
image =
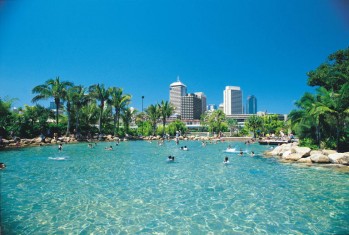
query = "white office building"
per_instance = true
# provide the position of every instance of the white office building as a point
(232, 100)
(177, 90)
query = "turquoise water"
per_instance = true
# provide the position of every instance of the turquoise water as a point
(134, 190)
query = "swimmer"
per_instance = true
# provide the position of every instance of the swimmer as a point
(170, 158)
(2, 166)
(60, 147)
(110, 148)
(241, 153)
(90, 146)
(252, 153)
(185, 148)
(226, 160)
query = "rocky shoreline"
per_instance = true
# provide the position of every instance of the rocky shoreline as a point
(39, 141)
(292, 153)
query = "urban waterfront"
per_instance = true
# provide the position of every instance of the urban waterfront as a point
(133, 189)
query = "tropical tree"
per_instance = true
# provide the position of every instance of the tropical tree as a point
(153, 114)
(254, 123)
(175, 126)
(102, 95)
(232, 125)
(52, 88)
(69, 98)
(327, 110)
(89, 115)
(120, 103)
(79, 99)
(334, 105)
(213, 120)
(166, 110)
(127, 117)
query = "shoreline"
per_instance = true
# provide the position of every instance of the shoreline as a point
(18, 143)
(291, 153)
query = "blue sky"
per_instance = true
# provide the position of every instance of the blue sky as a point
(265, 47)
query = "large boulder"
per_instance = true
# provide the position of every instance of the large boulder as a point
(339, 158)
(328, 151)
(286, 154)
(293, 157)
(319, 158)
(304, 151)
(304, 160)
(5, 141)
(313, 152)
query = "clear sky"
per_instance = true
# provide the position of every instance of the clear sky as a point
(265, 47)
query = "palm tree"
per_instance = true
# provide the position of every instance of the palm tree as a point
(127, 117)
(166, 110)
(254, 123)
(232, 124)
(80, 99)
(153, 113)
(52, 88)
(334, 105)
(101, 94)
(120, 102)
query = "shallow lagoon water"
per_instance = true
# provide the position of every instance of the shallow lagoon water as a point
(134, 190)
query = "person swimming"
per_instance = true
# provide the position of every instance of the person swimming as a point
(60, 147)
(170, 158)
(226, 160)
(2, 166)
(109, 148)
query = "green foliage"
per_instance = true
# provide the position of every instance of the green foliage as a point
(176, 125)
(214, 121)
(153, 115)
(308, 142)
(254, 123)
(323, 117)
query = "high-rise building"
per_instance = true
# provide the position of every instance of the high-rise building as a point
(251, 105)
(202, 96)
(177, 90)
(191, 107)
(232, 100)
(211, 107)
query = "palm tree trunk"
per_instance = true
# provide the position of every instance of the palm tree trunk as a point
(77, 124)
(163, 124)
(69, 119)
(115, 131)
(57, 102)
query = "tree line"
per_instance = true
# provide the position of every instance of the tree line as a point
(320, 120)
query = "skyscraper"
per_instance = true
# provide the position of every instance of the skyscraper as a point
(177, 90)
(251, 105)
(232, 100)
(191, 107)
(202, 96)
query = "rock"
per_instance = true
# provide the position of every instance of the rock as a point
(38, 140)
(339, 158)
(286, 154)
(293, 157)
(48, 140)
(5, 141)
(313, 152)
(304, 151)
(328, 151)
(304, 160)
(319, 158)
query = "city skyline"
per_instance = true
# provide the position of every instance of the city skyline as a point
(264, 47)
